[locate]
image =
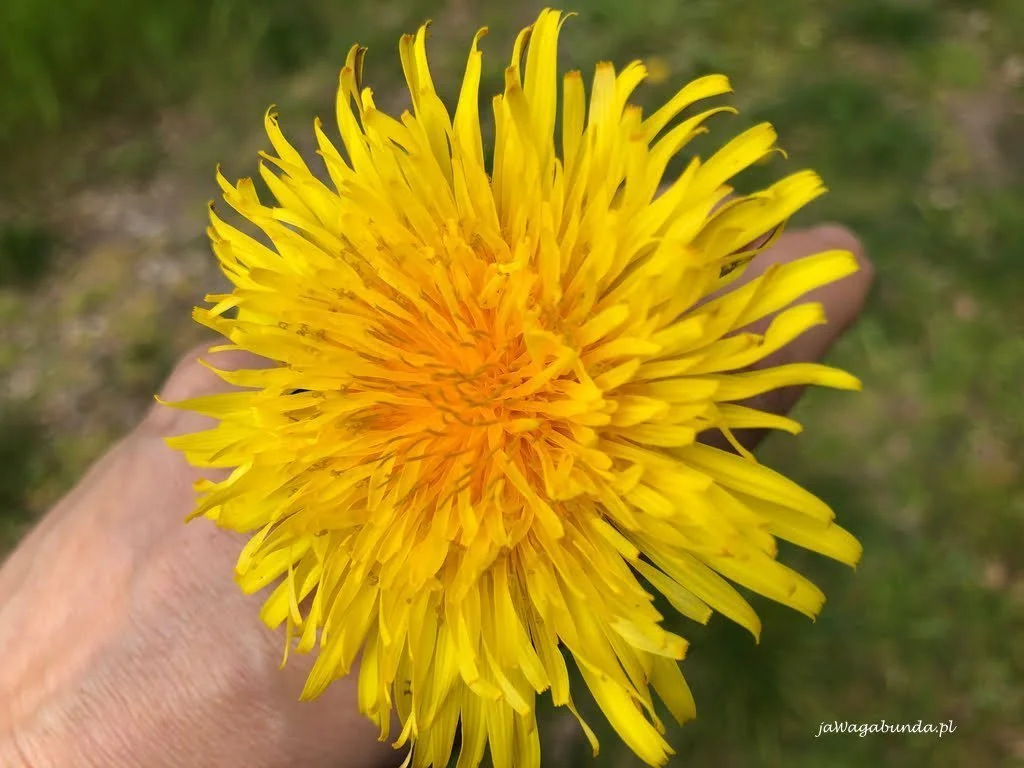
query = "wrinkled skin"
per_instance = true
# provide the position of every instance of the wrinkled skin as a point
(126, 642)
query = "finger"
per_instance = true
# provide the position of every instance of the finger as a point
(842, 300)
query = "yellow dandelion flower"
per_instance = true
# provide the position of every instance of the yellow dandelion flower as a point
(477, 454)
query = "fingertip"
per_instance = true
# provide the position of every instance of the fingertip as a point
(835, 236)
(846, 298)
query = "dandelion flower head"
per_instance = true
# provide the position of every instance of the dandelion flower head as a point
(475, 459)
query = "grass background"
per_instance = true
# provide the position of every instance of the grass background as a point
(114, 114)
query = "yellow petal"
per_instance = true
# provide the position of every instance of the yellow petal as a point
(627, 719)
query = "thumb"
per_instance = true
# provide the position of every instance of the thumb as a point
(842, 300)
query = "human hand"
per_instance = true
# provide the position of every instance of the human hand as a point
(127, 643)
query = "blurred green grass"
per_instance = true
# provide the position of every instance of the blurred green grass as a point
(913, 111)
(61, 64)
